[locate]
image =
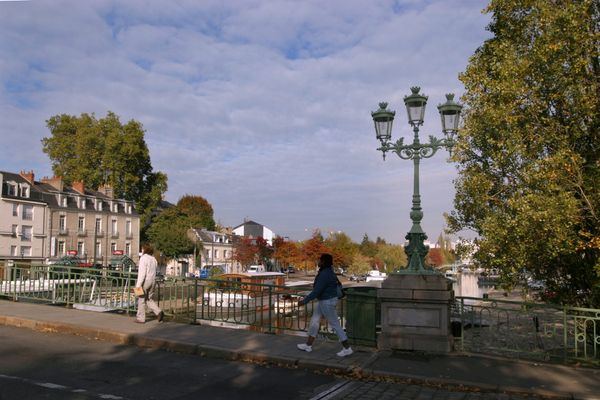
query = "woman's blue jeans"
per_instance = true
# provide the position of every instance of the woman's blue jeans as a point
(326, 308)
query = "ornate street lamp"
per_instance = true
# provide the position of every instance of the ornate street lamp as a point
(415, 108)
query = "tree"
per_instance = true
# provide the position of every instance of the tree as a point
(367, 247)
(528, 156)
(286, 253)
(392, 256)
(198, 211)
(105, 152)
(168, 233)
(244, 252)
(435, 257)
(342, 248)
(360, 264)
(312, 249)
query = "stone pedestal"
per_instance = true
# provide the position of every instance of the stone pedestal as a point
(415, 313)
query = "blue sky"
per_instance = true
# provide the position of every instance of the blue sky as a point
(262, 107)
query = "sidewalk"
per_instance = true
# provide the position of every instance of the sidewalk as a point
(460, 372)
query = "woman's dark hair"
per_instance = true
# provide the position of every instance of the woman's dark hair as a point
(147, 249)
(326, 260)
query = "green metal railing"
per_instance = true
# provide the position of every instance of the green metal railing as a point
(57, 284)
(489, 326)
(260, 307)
(527, 330)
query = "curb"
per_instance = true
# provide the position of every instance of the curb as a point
(353, 371)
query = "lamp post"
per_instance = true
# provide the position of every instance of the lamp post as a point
(383, 119)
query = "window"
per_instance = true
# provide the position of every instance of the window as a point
(26, 233)
(80, 248)
(25, 251)
(14, 230)
(62, 200)
(62, 223)
(98, 249)
(98, 203)
(128, 228)
(81, 224)
(216, 253)
(115, 207)
(13, 251)
(98, 226)
(113, 247)
(224, 253)
(27, 212)
(12, 189)
(128, 209)
(128, 249)
(113, 228)
(24, 190)
(61, 248)
(81, 202)
(15, 210)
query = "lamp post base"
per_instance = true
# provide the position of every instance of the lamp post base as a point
(415, 313)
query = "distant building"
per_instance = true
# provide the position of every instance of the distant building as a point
(254, 230)
(48, 219)
(213, 249)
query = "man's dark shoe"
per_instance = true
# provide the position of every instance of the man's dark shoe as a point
(161, 316)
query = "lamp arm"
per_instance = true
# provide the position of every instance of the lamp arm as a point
(416, 150)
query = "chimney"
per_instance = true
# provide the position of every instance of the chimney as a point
(56, 182)
(79, 187)
(106, 190)
(29, 176)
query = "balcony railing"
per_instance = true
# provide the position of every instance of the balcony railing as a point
(63, 231)
(81, 232)
(114, 235)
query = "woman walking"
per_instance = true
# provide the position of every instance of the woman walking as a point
(325, 291)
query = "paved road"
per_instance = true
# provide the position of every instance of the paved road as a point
(55, 366)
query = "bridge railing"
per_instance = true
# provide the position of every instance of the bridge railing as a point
(527, 330)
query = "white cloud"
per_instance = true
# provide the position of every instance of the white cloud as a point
(262, 107)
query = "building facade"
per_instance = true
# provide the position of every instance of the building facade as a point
(48, 220)
(254, 230)
(213, 249)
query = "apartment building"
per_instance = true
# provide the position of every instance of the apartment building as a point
(64, 220)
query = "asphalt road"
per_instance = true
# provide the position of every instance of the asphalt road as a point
(36, 365)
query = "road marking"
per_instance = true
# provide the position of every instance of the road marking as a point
(331, 392)
(63, 388)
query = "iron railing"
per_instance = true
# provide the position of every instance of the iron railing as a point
(480, 325)
(527, 330)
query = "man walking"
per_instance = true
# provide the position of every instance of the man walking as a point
(146, 280)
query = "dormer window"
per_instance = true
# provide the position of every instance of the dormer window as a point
(62, 200)
(98, 203)
(81, 202)
(12, 189)
(128, 208)
(24, 189)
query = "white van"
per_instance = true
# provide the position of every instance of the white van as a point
(256, 268)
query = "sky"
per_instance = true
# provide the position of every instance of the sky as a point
(263, 107)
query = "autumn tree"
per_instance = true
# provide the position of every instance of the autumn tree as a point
(312, 249)
(105, 152)
(286, 253)
(198, 211)
(244, 251)
(528, 156)
(367, 247)
(342, 248)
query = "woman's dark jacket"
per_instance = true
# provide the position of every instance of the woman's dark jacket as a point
(324, 287)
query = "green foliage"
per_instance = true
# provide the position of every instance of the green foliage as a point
(168, 233)
(392, 256)
(360, 265)
(104, 151)
(528, 156)
(367, 247)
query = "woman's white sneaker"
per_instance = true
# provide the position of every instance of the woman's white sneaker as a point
(305, 347)
(345, 352)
